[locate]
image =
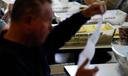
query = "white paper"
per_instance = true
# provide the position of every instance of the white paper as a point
(60, 5)
(89, 49)
(9, 1)
(88, 52)
(62, 12)
(64, 3)
(104, 69)
(115, 17)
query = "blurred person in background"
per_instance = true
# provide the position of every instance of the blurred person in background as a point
(7, 14)
(3, 25)
(1, 13)
(8, 10)
(112, 4)
(31, 39)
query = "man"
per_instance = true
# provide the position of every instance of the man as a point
(30, 39)
(113, 4)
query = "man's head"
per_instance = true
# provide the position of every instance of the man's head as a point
(26, 7)
(34, 16)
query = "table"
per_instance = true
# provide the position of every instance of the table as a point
(82, 47)
(111, 69)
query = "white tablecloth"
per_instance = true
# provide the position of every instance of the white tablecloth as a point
(104, 69)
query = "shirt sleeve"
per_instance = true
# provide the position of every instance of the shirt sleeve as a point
(64, 31)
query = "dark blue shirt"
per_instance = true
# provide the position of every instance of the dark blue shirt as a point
(20, 60)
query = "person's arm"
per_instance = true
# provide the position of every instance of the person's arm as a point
(64, 31)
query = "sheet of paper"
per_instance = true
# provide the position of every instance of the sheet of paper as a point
(89, 49)
(104, 69)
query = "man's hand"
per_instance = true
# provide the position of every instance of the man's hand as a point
(86, 72)
(98, 7)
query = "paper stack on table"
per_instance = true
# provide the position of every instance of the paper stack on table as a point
(115, 17)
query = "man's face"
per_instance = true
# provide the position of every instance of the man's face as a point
(43, 22)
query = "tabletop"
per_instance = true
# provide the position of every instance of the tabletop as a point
(111, 69)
